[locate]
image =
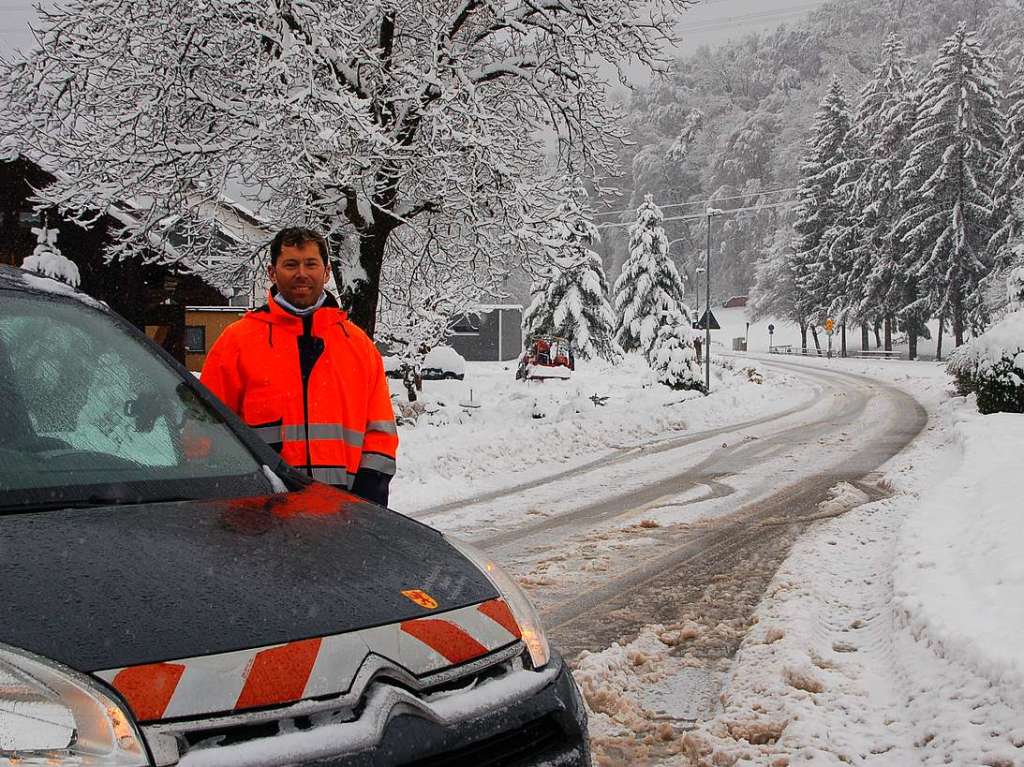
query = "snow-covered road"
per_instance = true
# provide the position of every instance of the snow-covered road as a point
(599, 546)
(684, 531)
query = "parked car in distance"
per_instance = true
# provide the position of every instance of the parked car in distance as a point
(173, 593)
(443, 362)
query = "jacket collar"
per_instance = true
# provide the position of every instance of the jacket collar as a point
(272, 312)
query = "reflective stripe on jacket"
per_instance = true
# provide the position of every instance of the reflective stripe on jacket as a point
(313, 388)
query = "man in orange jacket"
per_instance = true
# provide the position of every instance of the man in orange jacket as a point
(305, 378)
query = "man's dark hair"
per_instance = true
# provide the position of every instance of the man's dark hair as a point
(296, 237)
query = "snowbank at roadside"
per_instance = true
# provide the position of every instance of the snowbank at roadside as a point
(491, 431)
(959, 581)
(889, 636)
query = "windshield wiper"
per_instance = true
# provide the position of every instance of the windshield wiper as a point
(92, 501)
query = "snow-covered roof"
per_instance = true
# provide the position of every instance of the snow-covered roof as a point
(234, 221)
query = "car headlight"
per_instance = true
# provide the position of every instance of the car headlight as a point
(50, 714)
(522, 610)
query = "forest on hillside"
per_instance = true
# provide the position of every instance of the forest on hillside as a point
(730, 124)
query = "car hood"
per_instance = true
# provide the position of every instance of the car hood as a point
(114, 587)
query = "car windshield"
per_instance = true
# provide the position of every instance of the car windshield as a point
(93, 416)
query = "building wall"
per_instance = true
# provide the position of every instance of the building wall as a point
(483, 345)
(213, 321)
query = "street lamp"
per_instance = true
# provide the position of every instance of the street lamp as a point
(711, 213)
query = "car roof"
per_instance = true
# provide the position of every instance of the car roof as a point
(21, 281)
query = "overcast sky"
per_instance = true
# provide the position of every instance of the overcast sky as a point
(713, 21)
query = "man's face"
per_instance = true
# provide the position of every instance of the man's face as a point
(299, 274)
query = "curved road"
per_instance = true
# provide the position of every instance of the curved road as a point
(731, 502)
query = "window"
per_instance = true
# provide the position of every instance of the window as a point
(195, 339)
(466, 326)
(92, 414)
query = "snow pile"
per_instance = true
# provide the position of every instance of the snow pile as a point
(452, 450)
(48, 261)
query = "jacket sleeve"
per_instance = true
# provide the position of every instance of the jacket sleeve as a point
(221, 373)
(380, 443)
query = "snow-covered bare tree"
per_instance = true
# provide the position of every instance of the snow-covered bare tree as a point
(949, 180)
(649, 287)
(673, 358)
(819, 208)
(47, 260)
(359, 118)
(422, 296)
(571, 300)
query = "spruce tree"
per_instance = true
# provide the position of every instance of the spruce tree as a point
(649, 285)
(948, 182)
(673, 358)
(571, 299)
(885, 116)
(819, 209)
(1008, 217)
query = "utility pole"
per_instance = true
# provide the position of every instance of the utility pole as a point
(707, 310)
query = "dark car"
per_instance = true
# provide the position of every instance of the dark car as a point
(172, 593)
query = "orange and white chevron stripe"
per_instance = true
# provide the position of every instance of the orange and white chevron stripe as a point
(286, 673)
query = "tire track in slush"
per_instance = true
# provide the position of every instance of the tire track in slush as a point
(622, 455)
(660, 589)
(845, 410)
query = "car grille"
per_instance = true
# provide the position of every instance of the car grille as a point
(507, 749)
(171, 740)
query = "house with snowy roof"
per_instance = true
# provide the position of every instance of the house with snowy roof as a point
(152, 291)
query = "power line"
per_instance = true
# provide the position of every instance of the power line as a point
(722, 22)
(704, 203)
(699, 216)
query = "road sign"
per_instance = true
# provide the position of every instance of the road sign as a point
(701, 324)
(771, 328)
(829, 326)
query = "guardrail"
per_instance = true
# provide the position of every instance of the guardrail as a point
(865, 354)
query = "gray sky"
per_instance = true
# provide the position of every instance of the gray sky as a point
(712, 22)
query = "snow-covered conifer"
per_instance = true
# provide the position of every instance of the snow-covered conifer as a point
(1015, 289)
(1009, 191)
(673, 359)
(948, 181)
(884, 118)
(819, 209)
(571, 299)
(649, 286)
(47, 259)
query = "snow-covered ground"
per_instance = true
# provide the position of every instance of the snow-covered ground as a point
(889, 636)
(490, 431)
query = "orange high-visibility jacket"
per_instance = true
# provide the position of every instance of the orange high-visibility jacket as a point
(313, 388)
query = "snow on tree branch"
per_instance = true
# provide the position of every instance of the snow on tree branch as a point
(356, 118)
